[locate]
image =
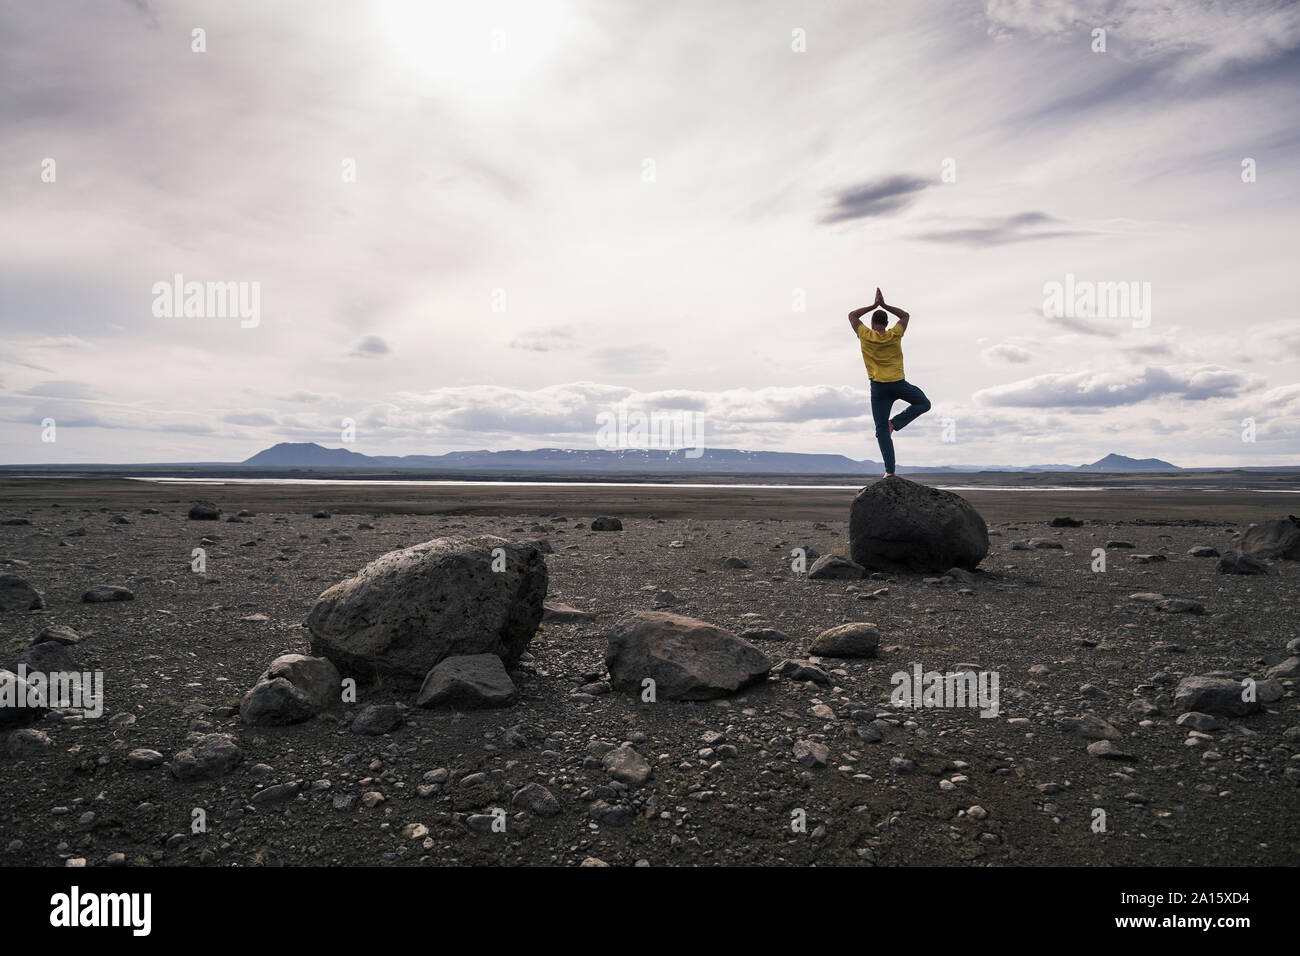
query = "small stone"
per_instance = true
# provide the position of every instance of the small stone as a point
(810, 753)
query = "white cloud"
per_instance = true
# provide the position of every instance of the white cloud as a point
(1111, 387)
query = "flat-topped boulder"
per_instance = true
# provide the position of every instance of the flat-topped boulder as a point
(407, 610)
(899, 525)
(687, 659)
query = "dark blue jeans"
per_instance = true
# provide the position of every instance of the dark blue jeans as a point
(883, 396)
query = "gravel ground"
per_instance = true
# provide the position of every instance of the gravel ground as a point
(941, 786)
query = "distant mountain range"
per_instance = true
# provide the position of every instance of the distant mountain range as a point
(640, 461)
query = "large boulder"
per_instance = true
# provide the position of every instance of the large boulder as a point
(293, 689)
(407, 610)
(687, 659)
(1279, 538)
(898, 525)
(17, 595)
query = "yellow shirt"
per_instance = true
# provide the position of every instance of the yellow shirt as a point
(882, 352)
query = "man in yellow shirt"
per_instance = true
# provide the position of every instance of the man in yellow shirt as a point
(882, 352)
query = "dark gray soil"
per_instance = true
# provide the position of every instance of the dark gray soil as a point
(177, 658)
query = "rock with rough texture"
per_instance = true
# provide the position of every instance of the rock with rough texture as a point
(293, 689)
(832, 567)
(847, 640)
(1214, 695)
(606, 523)
(627, 766)
(17, 595)
(27, 743)
(1234, 562)
(210, 757)
(204, 511)
(1194, 720)
(1289, 669)
(58, 633)
(810, 753)
(104, 593)
(466, 682)
(686, 658)
(48, 657)
(536, 799)
(1090, 727)
(17, 703)
(378, 719)
(408, 610)
(142, 758)
(1278, 538)
(898, 525)
(801, 671)
(1109, 750)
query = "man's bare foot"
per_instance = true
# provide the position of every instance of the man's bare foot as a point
(890, 474)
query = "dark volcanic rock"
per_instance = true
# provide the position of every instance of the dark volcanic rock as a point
(204, 511)
(48, 657)
(1234, 562)
(801, 671)
(293, 689)
(17, 595)
(606, 523)
(378, 719)
(14, 700)
(687, 659)
(103, 593)
(211, 756)
(1214, 695)
(1066, 523)
(898, 525)
(59, 633)
(536, 798)
(832, 567)
(407, 610)
(468, 681)
(27, 743)
(1279, 538)
(847, 640)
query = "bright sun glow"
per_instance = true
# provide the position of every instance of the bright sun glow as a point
(475, 47)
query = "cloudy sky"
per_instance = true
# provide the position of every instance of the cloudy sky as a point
(479, 225)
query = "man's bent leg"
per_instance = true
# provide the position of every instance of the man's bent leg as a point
(882, 402)
(918, 404)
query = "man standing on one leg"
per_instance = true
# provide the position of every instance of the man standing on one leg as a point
(882, 351)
